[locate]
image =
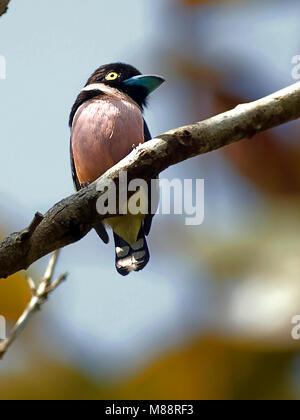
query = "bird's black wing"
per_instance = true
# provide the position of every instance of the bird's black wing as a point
(100, 229)
(153, 196)
(73, 169)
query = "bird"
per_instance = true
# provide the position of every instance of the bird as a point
(107, 123)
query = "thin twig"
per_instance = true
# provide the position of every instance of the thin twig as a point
(39, 296)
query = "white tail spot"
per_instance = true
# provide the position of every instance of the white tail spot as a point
(122, 252)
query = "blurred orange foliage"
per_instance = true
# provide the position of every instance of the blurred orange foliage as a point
(207, 368)
(270, 164)
(14, 296)
(210, 368)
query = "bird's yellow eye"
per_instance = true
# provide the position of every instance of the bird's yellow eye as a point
(111, 76)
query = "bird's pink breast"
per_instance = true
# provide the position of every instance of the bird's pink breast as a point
(104, 131)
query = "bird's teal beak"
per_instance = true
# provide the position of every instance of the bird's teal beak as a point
(148, 82)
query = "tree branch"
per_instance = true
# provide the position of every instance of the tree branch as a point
(72, 218)
(3, 6)
(39, 296)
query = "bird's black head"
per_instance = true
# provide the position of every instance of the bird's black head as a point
(120, 76)
(127, 79)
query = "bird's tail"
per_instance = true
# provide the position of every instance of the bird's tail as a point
(131, 257)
